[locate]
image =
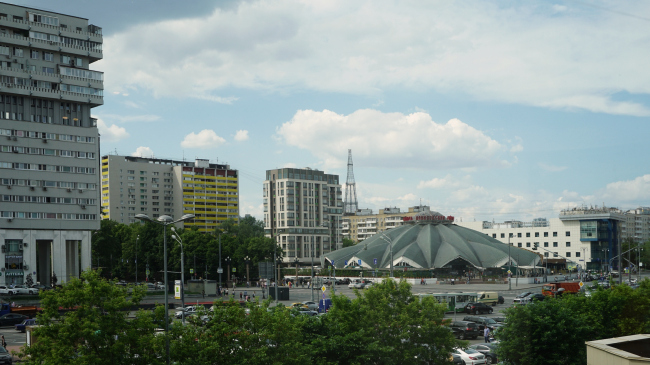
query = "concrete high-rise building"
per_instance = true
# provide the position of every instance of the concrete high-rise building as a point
(49, 166)
(155, 187)
(302, 211)
(364, 224)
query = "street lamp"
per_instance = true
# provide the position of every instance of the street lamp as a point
(390, 244)
(227, 260)
(136, 259)
(296, 281)
(509, 263)
(165, 220)
(220, 269)
(179, 240)
(247, 260)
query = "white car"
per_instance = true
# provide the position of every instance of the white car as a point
(368, 285)
(4, 290)
(311, 305)
(22, 289)
(470, 356)
(189, 310)
(353, 283)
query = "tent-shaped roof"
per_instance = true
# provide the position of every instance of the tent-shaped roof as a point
(429, 245)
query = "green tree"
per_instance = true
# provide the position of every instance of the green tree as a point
(97, 330)
(348, 242)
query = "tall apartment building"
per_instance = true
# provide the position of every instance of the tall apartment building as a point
(364, 224)
(155, 187)
(49, 143)
(302, 211)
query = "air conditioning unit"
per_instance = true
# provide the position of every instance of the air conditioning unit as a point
(9, 220)
(44, 140)
(44, 189)
(9, 138)
(25, 244)
(31, 188)
(68, 190)
(15, 139)
(20, 246)
(8, 186)
(81, 190)
(83, 206)
(25, 267)
(4, 249)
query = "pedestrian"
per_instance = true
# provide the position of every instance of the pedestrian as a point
(486, 334)
(241, 295)
(245, 293)
(4, 343)
(253, 295)
(203, 293)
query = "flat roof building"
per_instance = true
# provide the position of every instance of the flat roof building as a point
(155, 187)
(49, 143)
(302, 211)
(364, 224)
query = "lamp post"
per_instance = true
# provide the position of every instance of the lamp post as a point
(247, 260)
(180, 241)
(220, 269)
(165, 220)
(509, 263)
(390, 244)
(296, 281)
(227, 260)
(136, 259)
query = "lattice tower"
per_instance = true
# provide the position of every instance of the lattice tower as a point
(351, 203)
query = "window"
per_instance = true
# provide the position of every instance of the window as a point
(536, 234)
(568, 244)
(568, 234)
(527, 234)
(18, 52)
(47, 56)
(554, 244)
(577, 254)
(554, 234)
(519, 244)
(545, 254)
(527, 244)
(568, 254)
(494, 235)
(545, 234)
(34, 55)
(48, 70)
(503, 235)
(519, 235)
(78, 62)
(545, 244)
(66, 59)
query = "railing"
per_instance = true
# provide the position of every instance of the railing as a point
(60, 44)
(98, 30)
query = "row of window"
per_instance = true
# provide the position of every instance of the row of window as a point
(48, 184)
(20, 81)
(43, 135)
(566, 254)
(519, 235)
(47, 152)
(44, 167)
(40, 118)
(536, 244)
(37, 215)
(70, 42)
(46, 199)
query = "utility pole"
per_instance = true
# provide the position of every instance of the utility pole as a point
(195, 266)
(509, 263)
(136, 259)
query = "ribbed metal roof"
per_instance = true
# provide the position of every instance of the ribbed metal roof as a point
(428, 245)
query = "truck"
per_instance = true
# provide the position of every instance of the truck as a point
(557, 289)
(28, 310)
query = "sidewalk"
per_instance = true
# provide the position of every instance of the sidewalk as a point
(12, 348)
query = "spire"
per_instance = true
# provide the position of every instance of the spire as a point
(351, 203)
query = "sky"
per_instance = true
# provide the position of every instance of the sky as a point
(485, 110)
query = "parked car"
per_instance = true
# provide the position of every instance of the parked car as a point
(500, 319)
(482, 322)
(5, 356)
(311, 305)
(470, 356)
(368, 285)
(532, 298)
(478, 308)
(345, 281)
(189, 310)
(23, 289)
(11, 319)
(519, 297)
(42, 287)
(457, 360)
(489, 350)
(304, 311)
(21, 326)
(353, 283)
(464, 329)
(4, 290)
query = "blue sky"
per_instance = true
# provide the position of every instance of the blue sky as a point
(483, 110)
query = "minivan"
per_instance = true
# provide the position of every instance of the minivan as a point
(488, 297)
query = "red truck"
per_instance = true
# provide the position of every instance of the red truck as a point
(557, 289)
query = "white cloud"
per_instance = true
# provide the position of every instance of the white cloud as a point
(290, 165)
(438, 183)
(112, 133)
(241, 135)
(636, 191)
(143, 152)
(206, 138)
(390, 139)
(551, 168)
(538, 54)
(132, 118)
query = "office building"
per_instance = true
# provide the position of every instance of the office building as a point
(155, 187)
(49, 143)
(364, 224)
(302, 212)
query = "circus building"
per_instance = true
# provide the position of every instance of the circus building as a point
(431, 241)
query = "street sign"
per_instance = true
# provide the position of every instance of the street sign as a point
(346, 262)
(359, 262)
(332, 262)
(509, 272)
(220, 271)
(323, 289)
(34, 272)
(266, 270)
(191, 271)
(147, 272)
(581, 284)
(375, 261)
(234, 269)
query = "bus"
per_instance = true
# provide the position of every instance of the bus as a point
(455, 302)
